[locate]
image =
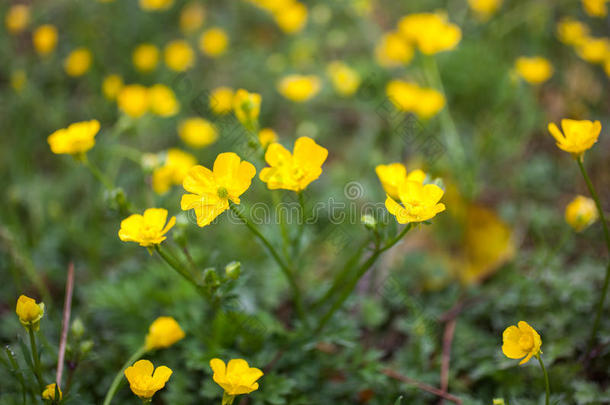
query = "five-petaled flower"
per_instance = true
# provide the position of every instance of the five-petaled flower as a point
(237, 377)
(394, 174)
(49, 393)
(144, 380)
(29, 312)
(246, 106)
(521, 341)
(75, 139)
(148, 229)
(420, 202)
(293, 171)
(577, 136)
(163, 332)
(211, 190)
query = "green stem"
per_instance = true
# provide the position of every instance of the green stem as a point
(97, 173)
(227, 399)
(297, 243)
(282, 218)
(119, 376)
(174, 264)
(35, 358)
(546, 379)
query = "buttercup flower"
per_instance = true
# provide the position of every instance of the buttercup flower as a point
(266, 137)
(29, 312)
(345, 79)
(291, 18)
(577, 136)
(392, 50)
(213, 42)
(580, 213)
(179, 55)
(221, 100)
(144, 380)
(246, 106)
(237, 377)
(177, 165)
(77, 138)
(163, 333)
(485, 8)
(111, 86)
(17, 18)
(148, 229)
(432, 33)
(572, 32)
(534, 70)
(409, 97)
(192, 17)
(299, 88)
(293, 171)
(392, 175)
(162, 101)
(211, 190)
(45, 39)
(155, 5)
(145, 57)
(133, 100)
(594, 50)
(49, 392)
(419, 202)
(595, 8)
(197, 132)
(521, 341)
(78, 62)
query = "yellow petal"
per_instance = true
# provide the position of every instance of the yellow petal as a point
(556, 132)
(199, 180)
(225, 167)
(218, 366)
(276, 154)
(161, 376)
(308, 152)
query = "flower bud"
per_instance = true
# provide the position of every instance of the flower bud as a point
(210, 279)
(29, 312)
(77, 328)
(233, 270)
(85, 347)
(369, 222)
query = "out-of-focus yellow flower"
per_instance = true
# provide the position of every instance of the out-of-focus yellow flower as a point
(266, 137)
(148, 229)
(237, 377)
(162, 101)
(211, 190)
(18, 80)
(49, 393)
(292, 17)
(179, 55)
(177, 165)
(214, 42)
(17, 18)
(394, 174)
(133, 100)
(594, 50)
(419, 202)
(521, 341)
(144, 380)
(29, 312)
(111, 86)
(145, 57)
(484, 9)
(431, 32)
(581, 213)
(392, 50)
(154, 5)
(163, 333)
(293, 171)
(78, 62)
(299, 88)
(571, 31)
(221, 100)
(247, 106)
(197, 132)
(534, 70)
(192, 17)
(595, 8)
(577, 136)
(409, 97)
(77, 138)
(44, 39)
(345, 79)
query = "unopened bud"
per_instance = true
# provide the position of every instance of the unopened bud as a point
(233, 270)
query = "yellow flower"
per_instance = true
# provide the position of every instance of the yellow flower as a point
(18, 80)
(392, 175)
(177, 165)
(179, 55)
(49, 392)
(432, 33)
(29, 312)
(213, 42)
(246, 106)
(485, 8)
(133, 100)
(299, 88)
(293, 171)
(291, 18)
(145, 57)
(144, 380)
(572, 32)
(237, 377)
(152, 5)
(392, 50)
(409, 97)
(212, 189)
(221, 100)
(192, 17)
(534, 70)
(594, 50)
(521, 341)
(345, 79)
(78, 62)
(419, 202)
(197, 132)
(148, 229)
(17, 18)
(111, 86)
(163, 333)
(77, 138)
(580, 213)
(595, 8)
(45, 39)
(162, 101)
(577, 136)
(266, 137)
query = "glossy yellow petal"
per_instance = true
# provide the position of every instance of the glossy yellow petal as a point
(308, 153)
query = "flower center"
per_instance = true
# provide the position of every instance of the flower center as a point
(222, 192)
(526, 342)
